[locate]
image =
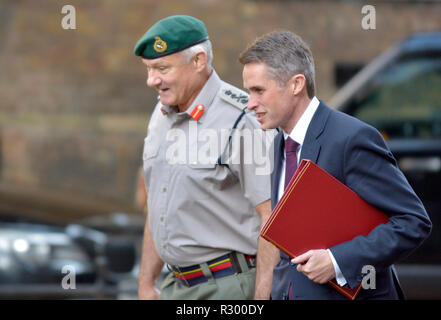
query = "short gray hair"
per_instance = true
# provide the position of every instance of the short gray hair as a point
(205, 46)
(285, 54)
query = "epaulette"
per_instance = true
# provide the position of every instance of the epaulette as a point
(235, 98)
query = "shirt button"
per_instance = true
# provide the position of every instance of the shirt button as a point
(164, 246)
(161, 219)
(164, 189)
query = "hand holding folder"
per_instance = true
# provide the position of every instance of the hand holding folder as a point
(317, 211)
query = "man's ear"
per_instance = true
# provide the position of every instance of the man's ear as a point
(200, 60)
(298, 83)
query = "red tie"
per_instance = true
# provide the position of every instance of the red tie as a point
(290, 168)
(291, 159)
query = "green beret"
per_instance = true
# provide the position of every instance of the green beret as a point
(170, 35)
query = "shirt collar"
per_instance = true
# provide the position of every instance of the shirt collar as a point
(206, 95)
(298, 133)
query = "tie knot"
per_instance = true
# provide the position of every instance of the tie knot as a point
(291, 145)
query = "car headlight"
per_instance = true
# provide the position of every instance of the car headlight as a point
(36, 254)
(20, 245)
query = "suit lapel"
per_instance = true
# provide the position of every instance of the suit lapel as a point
(311, 144)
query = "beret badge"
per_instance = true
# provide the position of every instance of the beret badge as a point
(159, 45)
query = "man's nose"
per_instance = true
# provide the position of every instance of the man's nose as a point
(153, 80)
(252, 103)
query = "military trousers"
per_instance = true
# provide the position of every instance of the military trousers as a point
(239, 286)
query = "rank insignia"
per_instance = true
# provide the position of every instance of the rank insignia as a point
(163, 111)
(197, 112)
(237, 99)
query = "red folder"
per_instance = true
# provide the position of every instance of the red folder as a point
(317, 211)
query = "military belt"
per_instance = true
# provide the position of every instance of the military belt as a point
(223, 266)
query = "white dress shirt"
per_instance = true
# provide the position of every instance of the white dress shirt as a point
(298, 134)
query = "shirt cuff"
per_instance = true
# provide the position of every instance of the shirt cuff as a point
(338, 274)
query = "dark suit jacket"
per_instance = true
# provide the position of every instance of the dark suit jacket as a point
(356, 154)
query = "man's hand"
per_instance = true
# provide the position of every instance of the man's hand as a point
(148, 293)
(316, 265)
(150, 268)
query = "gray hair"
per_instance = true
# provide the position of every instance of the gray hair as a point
(285, 55)
(205, 46)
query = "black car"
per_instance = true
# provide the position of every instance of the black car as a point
(399, 93)
(96, 258)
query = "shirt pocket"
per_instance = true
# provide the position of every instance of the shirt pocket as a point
(200, 179)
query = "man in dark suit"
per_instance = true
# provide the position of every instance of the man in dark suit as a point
(279, 75)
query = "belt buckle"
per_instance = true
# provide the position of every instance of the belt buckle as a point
(252, 262)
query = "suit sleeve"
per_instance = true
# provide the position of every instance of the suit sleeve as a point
(371, 171)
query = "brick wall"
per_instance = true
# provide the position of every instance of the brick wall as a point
(74, 105)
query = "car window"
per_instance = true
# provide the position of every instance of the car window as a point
(405, 100)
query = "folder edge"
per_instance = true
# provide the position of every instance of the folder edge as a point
(285, 197)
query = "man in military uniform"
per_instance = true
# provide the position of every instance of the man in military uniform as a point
(204, 211)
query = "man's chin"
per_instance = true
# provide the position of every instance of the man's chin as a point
(266, 126)
(166, 102)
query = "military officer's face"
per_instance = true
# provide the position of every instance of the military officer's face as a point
(173, 79)
(271, 103)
